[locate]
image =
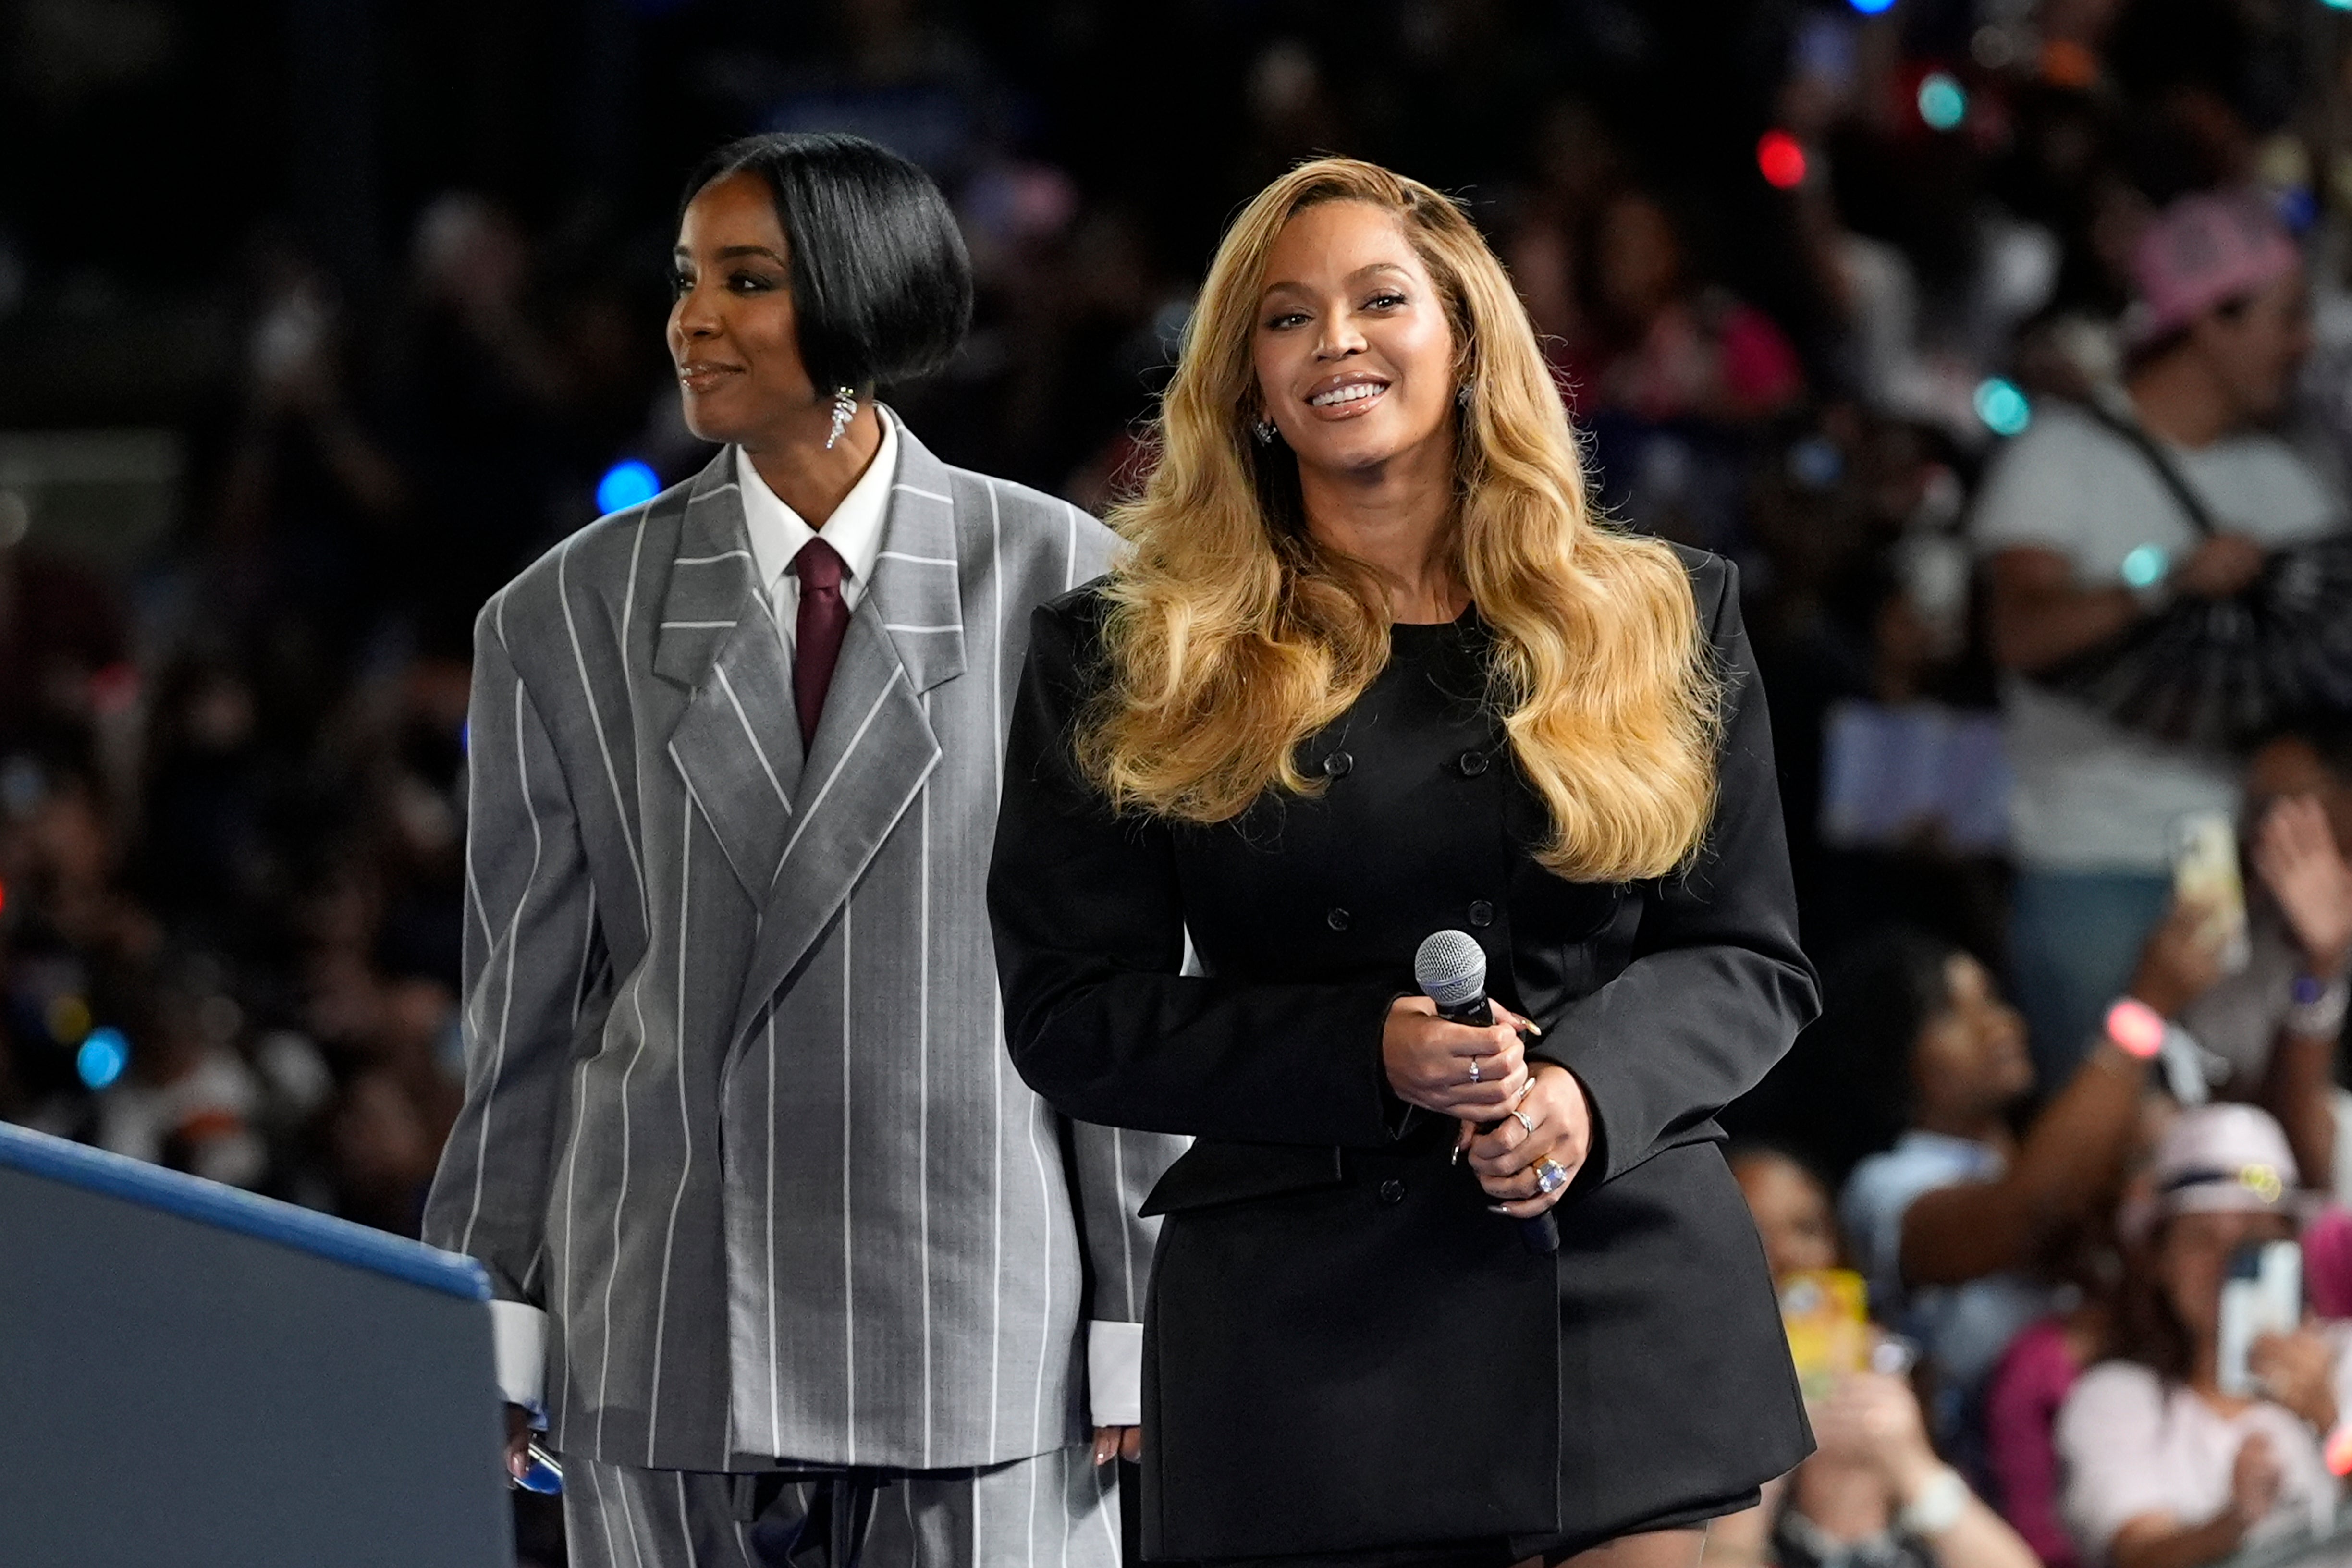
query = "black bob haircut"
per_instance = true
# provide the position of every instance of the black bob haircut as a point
(881, 285)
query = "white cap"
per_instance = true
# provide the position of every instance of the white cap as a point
(2220, 1159)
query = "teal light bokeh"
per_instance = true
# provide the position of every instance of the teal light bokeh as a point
(1943, 102)
(2144, 567)
(2004, 409)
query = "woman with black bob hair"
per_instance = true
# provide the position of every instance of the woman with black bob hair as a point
(827, 1283)
(879, 283)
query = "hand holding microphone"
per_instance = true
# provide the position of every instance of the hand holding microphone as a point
(1474, 1072)
(1525, 1145)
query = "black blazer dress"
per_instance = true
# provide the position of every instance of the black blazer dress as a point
(1344, 1351)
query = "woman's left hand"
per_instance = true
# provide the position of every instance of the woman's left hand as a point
(2298, 1370)
(1553, 1122)
(2295, 854)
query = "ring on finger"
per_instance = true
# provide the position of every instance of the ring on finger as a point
(1522, 1118)
(1474, 1072)
(1550, 1175)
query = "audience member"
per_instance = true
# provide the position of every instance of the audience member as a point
(2030, 1384)
(1955, 1221)
(2083, 539)
(2278, 1020)
(1874, 1495)
(1790, 1205)
(1670, 377)
(1666, 348)
(2166, 1468)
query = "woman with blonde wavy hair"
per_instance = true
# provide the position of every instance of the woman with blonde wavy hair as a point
(1367, 669)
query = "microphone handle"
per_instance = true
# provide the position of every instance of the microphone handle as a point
(1541, 1233)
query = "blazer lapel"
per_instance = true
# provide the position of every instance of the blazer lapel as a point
(874, 747)
(736, 744)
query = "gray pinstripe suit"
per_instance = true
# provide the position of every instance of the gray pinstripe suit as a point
(739, 1114)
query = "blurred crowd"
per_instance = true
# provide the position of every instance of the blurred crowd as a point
(1868, 302)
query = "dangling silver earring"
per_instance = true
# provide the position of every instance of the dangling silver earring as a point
(845, 409)
(1462, 394)
(1264, 431)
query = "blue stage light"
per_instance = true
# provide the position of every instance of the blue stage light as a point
(1871, 8)
(2002, 407)
(102, 1057)
(625, 484)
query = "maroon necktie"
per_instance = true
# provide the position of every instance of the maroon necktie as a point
(816, 631)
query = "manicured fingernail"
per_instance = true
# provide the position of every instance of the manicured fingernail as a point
(1498, 1208)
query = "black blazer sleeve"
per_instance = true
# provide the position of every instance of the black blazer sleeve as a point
(1090, 925)
(1717, 987)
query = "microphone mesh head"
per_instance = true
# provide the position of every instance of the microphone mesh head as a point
(1450, 967)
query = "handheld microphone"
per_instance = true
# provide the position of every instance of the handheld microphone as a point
(1450, 967)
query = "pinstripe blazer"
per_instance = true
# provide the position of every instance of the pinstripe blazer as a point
(739, 1113)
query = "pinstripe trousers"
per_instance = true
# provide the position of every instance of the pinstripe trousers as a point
(1057, 1509)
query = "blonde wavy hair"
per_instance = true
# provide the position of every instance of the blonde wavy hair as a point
(1231, 633)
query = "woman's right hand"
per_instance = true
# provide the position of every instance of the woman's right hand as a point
(2181, 961)
(1873, 1420)
(2296, 857)
(519, 1436)
(1430, 1061)
(2220, 565)
(2253, 1481)
(2297, 1370)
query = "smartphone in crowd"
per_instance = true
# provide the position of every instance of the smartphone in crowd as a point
(2262, 1294)
(1827, 1316)
(2205, 876)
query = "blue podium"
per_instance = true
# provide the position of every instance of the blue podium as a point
(194, 1376)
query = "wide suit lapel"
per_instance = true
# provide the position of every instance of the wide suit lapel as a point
(874, 747)
(736, 744)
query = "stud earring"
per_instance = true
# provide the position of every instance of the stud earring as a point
(844, 408)
(1264, 431)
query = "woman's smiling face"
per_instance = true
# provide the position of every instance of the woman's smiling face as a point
(733, 335)
(1353, 350)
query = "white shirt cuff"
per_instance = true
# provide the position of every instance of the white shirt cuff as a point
(518, 1349)
(1115, 1372)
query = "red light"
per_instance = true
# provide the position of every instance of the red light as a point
(1781, 159)
(2136, 1027)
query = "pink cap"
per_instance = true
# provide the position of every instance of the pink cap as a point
(2201, 251)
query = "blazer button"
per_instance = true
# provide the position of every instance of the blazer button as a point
(1392, 1191)
(1472, 764)
(1337, 920)
(1482, 913)
(1337, 765)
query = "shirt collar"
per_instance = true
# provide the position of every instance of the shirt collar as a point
(854, 529)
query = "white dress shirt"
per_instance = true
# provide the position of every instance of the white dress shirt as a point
(1114, 1350)
(855, 530)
